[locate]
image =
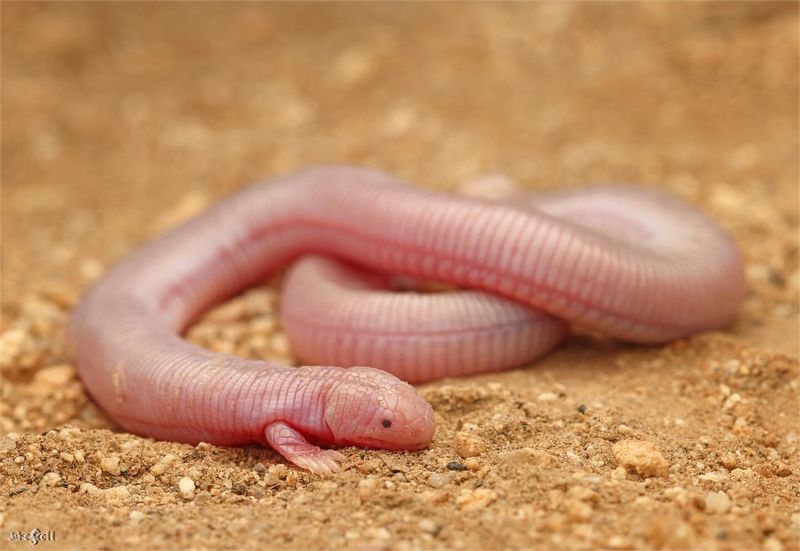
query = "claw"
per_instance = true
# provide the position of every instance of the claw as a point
(294, 447)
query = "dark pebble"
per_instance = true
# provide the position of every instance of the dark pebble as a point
(776, 278)
(456, 466)
(582, 408)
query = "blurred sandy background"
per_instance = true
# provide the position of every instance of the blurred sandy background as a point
(120, 120)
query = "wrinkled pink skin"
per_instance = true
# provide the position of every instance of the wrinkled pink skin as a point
(641, 267)
(339, 314)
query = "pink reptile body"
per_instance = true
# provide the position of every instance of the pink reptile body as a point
(634, 265)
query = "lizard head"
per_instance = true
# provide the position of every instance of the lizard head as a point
(368, 407)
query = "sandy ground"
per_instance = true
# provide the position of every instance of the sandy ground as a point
(119, 120)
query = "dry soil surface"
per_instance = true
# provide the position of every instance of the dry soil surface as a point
(120, 120)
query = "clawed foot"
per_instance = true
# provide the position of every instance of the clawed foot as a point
(293, 446)
(319, 461)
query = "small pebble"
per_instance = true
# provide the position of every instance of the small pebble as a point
(624, 429)
(773, 544)
(367, 487)
(51, 479)
(640, 456)
(731, 401)
(582, 493)
(260, 301)
(54, 376)
(472, 464)
(91, 269)
(280, 470)
(671, 532)
(773, 454)
(577, 510)
(380, 533)
(228, 312)
(582, 409)
(547, 397)
(186, 487)
(110, 465)
(729, 460)
(280, 344)
(181, 210)
(371, 466)
(618, 542)
(492, 186)
(456, 466)
(718, 503)
(472, 500)
(116, 493)
(716, 476)
(782, 469)
(353, 65)
(162, 465)
(742, 474)
(136, 516)
(433, 497)
(439, 480)
(469, 445)
(740, 425)
(527, 456)
(60, 295)
(88, 488)
(271, 480)
(263, 325)
(429, 526)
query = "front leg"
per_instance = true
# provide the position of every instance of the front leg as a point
(294, 447)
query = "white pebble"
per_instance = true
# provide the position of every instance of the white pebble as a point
(472, 500)
(186, 487)
(54, 376)
(468, 445)
(640, 456)
(51, 479)
(110, 465)
(116, 493)
(439, 480)
(88, 488)
(162, 465)
(718, 503)
(429, 526)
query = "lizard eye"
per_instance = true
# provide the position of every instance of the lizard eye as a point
(386, 423)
